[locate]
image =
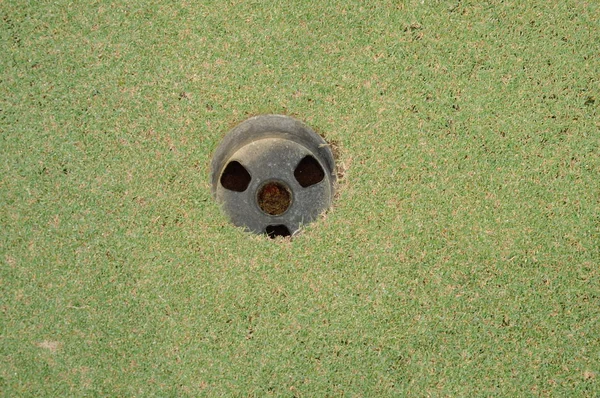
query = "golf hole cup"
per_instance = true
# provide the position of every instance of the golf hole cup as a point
(272, 174)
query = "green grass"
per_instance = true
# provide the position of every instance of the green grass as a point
(461, 256)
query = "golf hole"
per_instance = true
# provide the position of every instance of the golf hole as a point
(274, 198)
(272, 175)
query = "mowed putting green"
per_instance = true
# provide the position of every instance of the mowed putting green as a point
(461, 256)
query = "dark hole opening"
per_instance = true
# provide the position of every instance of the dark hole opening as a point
(274, 198)
(273, 231)
(308, 172)
(235, 177)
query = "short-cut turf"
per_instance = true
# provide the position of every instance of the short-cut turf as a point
(461, 256)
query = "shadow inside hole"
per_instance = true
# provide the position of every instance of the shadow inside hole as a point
(235, 177)
(309, 172)
(273, 231)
